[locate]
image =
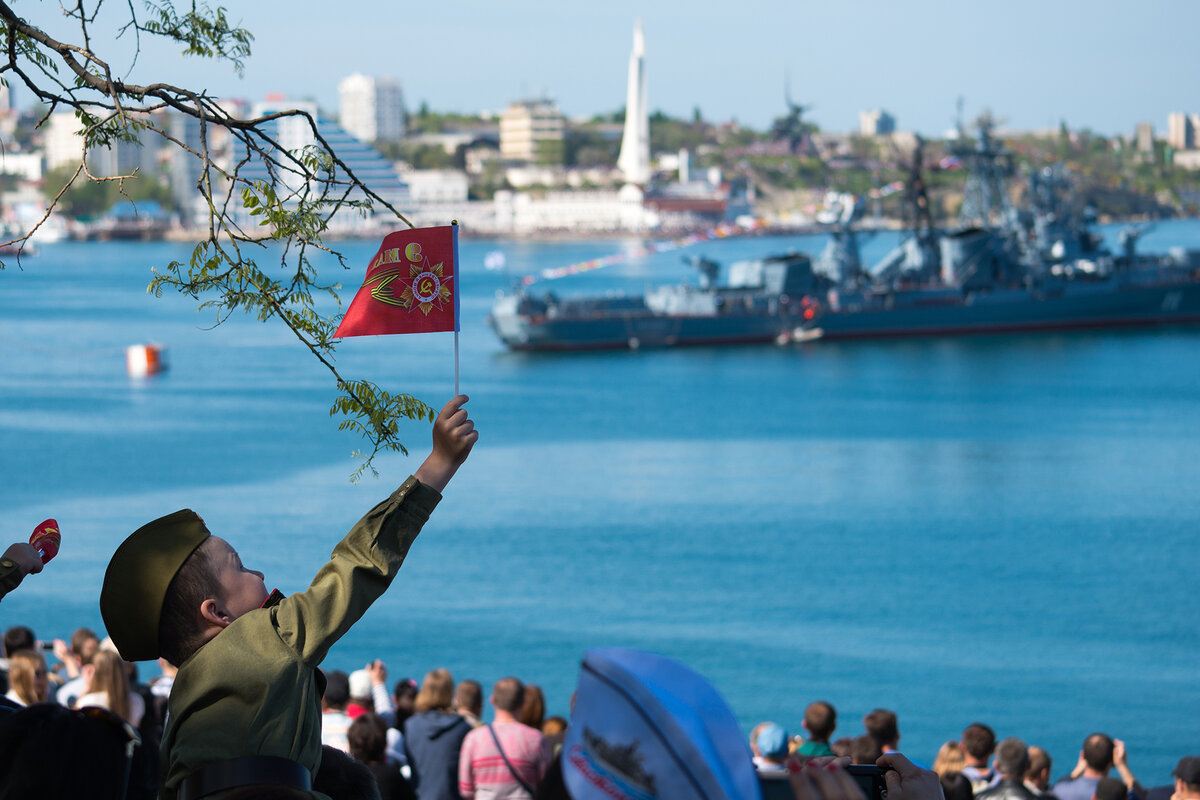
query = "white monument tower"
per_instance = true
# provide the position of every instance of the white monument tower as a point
(634, 161)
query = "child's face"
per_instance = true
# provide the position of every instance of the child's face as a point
(242, 589)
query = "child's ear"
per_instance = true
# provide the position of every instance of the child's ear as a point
(214, 614)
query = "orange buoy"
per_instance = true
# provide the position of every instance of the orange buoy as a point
(142, 360)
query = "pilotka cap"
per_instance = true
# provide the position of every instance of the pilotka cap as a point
(137, 578)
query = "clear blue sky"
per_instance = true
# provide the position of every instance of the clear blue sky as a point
(1098, 64)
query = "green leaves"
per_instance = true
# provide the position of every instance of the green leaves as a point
(372, 412)
(203, 31)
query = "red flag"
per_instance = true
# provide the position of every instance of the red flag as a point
(411, 286)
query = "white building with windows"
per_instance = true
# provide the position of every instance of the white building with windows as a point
(371, 109)
(528, 128)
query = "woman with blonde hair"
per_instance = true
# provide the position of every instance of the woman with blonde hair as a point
(950, 758)
(433, 738)
(28, 679)
(108, 687)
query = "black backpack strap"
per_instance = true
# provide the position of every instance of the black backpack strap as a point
(507, 763)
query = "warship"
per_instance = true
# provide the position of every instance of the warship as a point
(758, 300)
(1002, 269)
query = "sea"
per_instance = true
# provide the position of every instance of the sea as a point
(999, 528)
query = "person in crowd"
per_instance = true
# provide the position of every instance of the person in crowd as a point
(404, 700)
(843, 747)
(978, 744)
(51, 752)
(341, 777)
(883, 726)
(533, 712)
(1099, 755)
(83, 648)
(865, 750)
(956, 786)
(1187, 780)
(248, 686)
(28, 679)
(753, 740)
(816, 780)
(506, 759)
(1110, 789)
(433, 738)
(1011, 764)
(1037, 777)
(19, 560)
(468, 701)
(772, 743)
(949, 758)
(108, 687)
(380, 701)
(820, 721)
(335, 722)
(362, 699)
(19, 637)
(368, 743)
(555, 731)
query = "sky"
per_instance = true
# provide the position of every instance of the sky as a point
(1101, 64)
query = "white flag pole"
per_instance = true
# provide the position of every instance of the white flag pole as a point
(457, 290)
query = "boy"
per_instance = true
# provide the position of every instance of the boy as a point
(245, 707)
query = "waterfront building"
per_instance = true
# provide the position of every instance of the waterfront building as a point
(26, 166)
(876, 123)
(573, 212)
(436, 185)
(1181, 134)
(295, 134)
(634, 160)
(371, 109)
(532, 130)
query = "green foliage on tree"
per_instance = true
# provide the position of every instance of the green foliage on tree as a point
(292, 208)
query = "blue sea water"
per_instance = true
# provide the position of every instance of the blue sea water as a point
(996, 528)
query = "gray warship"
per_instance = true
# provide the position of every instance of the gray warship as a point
(1001, 269)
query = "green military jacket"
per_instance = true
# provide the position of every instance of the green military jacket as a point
(253, 689)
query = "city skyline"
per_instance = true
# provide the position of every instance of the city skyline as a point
(1034, 66)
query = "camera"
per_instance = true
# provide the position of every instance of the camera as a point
(775, 785)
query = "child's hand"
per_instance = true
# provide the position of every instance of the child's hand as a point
(454, 435)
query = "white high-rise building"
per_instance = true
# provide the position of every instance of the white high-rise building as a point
(634, 161)
(1181, 134)
(63, 139)
(875, 123)
(371, 109)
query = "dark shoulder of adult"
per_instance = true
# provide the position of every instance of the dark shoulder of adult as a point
(1160, 793)
(392, 785)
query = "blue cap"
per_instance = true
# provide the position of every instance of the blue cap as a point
(772, 741)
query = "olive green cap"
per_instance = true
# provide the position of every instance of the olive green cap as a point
(137, 578)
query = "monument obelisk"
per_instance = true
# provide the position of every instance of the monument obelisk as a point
(634, 161)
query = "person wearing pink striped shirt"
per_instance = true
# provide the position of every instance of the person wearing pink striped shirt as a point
(504, 760)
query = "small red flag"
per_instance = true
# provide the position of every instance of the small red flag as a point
(411, 286)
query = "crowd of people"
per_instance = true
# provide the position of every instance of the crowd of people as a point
(428, 740)
(244, 709)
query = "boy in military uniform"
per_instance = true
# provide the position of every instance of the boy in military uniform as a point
(245, 707)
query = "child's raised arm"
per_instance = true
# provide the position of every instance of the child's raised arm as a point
(454, 435)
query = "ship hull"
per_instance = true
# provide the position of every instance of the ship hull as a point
(1016, 311)
(633, 331)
